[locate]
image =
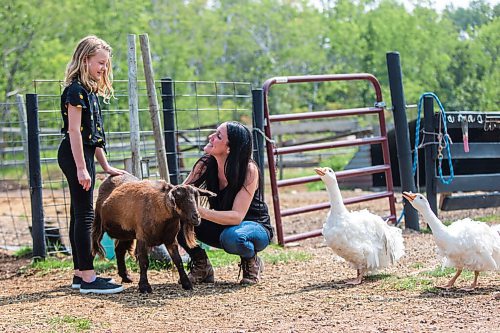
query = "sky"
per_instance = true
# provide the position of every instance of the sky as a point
(441, 4)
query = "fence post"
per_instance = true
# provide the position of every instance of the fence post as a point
(24, 129)
(153, 107)
(133, 103)
(167, 99)
(430, 163)
(37, 219)
(258, 123)
(402, 135)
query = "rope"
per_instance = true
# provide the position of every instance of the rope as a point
(441, 136)
(258, 130)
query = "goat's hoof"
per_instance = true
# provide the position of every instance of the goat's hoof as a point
(126, 279)
(187, 286)
(145, 289)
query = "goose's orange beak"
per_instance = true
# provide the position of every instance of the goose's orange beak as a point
(409, 196)
(320, 171)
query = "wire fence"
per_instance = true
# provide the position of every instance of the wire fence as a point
(15, 211)
(199, 107)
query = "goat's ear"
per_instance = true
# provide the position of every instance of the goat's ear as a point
(206, 193)
(171, 197)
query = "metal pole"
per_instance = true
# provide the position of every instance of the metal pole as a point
(258, 119)
(153, 107)
(37, 219)
(430, 162)
(402, 135)
(133, 103)
(24, 129)
(167, 99)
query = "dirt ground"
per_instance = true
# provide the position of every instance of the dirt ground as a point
(297, 296)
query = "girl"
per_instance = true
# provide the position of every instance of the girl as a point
(88, 74)
(238, 219)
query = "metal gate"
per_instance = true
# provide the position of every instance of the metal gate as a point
(273, 152)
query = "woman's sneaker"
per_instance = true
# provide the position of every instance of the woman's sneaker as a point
(77, 281)
(99, 286)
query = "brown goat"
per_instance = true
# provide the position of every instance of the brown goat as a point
(151, 212)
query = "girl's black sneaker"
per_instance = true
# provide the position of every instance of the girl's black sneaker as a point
(77, 281)
(100, 286)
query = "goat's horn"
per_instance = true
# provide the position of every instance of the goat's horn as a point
(206, 193)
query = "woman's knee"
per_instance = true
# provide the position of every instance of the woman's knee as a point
(232, 238)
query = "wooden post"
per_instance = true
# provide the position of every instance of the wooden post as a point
(133, 104)
(153, 107)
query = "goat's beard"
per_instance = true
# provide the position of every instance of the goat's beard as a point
(189, 234)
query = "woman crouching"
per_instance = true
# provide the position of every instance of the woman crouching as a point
(238, 218)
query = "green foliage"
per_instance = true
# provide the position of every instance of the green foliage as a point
(454, 54)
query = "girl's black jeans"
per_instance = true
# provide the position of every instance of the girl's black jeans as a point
(82, 204)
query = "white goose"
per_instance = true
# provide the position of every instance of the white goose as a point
(360, 237)
(465, 243)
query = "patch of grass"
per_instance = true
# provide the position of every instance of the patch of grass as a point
(377, 277)
(23, 252)
(272, 254)
(489, 218)
(426, 230)
(417, 265)
(423, 281)
(447, 272)
(78, 324)
(52, 263)
(413, 283)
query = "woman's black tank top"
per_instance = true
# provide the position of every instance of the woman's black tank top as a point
(257, 212)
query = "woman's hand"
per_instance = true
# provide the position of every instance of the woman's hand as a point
(114, 171)
(84, 178)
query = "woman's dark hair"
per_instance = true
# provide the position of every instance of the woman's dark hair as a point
(240, 153)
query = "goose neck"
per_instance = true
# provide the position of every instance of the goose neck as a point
(337, 204)
(436, 225)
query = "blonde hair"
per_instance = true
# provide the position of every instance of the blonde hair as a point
(77, 68)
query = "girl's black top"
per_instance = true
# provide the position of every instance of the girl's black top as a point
(92, 125)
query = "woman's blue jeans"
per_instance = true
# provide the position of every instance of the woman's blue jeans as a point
(245, 239)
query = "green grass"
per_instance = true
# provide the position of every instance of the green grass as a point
(447, 272)
(489, 219)
(75, 323)
(413, 283)
(423, 281)
(417, 265)
(377, 277)
(23, 252)
(272, 254)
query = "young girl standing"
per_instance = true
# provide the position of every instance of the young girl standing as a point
(88, 74)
